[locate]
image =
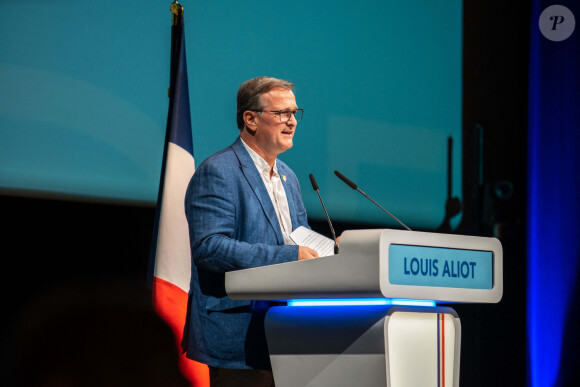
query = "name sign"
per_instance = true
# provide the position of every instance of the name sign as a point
(440, 267)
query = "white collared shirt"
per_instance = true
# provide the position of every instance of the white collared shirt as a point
(276, 191)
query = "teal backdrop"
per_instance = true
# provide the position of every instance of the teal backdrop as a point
(83, 96)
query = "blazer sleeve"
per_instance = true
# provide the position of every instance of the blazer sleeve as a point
(223, 236)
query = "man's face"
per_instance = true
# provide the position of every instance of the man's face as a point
(273, 137)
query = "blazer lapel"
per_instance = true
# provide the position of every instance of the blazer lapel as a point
(254, 179)
(290, 195)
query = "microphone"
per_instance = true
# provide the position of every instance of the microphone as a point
(315, 187)
(354, 186)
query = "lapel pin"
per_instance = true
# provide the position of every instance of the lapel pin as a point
(284, 178)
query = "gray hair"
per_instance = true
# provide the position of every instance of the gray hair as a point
(250, 94)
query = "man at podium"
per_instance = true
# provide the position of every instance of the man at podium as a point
(241, 205)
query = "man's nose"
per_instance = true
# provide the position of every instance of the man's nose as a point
(292, 121)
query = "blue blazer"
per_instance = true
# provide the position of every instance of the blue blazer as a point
(232, 226)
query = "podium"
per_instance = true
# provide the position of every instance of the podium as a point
(397, 336)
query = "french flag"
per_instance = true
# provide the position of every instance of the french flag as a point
(170, 263)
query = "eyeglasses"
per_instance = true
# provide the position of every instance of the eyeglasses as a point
(284, 115)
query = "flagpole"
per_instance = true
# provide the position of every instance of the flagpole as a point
(177, 10)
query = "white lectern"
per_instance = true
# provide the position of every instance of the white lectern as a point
(374, 345)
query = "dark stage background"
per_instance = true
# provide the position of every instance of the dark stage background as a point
(48, 242)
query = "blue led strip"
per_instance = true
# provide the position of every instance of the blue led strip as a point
(360, 301)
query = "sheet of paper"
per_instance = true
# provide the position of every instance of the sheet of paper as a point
(303, 236)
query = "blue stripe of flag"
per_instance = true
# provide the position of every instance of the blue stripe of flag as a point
(179, 117)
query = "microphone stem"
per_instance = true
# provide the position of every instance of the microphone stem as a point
(392, 216)
(329, 222)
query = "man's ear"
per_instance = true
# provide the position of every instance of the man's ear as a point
(250, 119)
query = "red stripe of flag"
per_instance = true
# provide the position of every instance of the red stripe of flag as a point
(170, 303)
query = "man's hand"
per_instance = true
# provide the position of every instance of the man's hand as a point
(306, 253)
